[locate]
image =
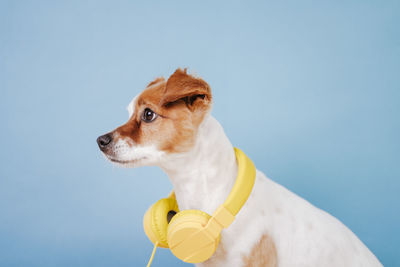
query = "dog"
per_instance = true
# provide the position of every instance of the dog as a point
(170, 126)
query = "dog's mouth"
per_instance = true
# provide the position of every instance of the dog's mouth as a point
(125, 162)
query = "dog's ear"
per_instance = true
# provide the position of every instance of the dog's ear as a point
(195, 92)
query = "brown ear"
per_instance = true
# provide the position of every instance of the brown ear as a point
(182, 86)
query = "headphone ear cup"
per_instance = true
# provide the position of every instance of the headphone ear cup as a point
(185, 217)
(196, 215)
(156, 219)
(183, 241)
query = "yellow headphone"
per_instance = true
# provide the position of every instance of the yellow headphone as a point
(193, 235)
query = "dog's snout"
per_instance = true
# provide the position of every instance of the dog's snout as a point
(104, 140)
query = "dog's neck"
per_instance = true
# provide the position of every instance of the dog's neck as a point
(203, 177)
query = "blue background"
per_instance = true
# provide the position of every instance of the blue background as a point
(309, 89)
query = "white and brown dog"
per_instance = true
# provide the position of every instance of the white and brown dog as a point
(170, 126)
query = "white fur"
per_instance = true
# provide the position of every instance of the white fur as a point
(303, 234)
(128, 154)
(131, 106)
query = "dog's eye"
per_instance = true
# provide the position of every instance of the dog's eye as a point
(148, 115)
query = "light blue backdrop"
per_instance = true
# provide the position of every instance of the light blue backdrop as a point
(310, 90)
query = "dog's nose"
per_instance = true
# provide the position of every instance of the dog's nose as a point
(104, 140)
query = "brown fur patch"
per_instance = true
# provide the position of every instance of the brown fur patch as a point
(181, 104)
(216, 259)
(156, 80)
(263, 254)
(130, 130)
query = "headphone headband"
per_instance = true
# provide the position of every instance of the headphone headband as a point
(225, 214)
(244, 183)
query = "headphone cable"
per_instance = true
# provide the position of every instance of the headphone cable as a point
(152, 254)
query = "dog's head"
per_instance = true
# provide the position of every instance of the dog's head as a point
(163, 119)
